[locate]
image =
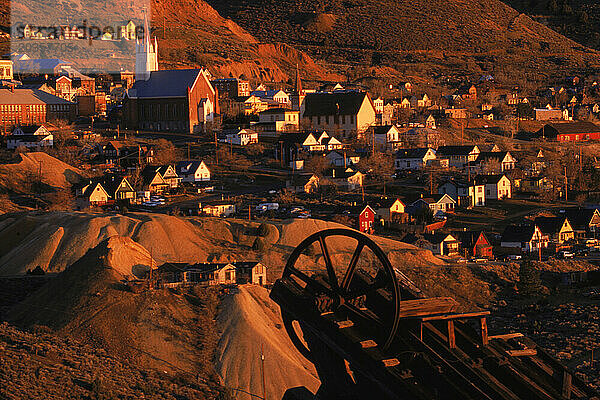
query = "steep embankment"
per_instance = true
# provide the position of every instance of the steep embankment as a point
(250, 323)
(35, 168)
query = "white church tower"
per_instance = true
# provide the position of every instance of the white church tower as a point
(146, 54)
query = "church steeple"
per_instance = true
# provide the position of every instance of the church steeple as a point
(146, 54)
(298, 88)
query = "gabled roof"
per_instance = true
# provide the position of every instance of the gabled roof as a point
(388, 202)
(383, 130)
(191, 166)
(455, 150)
(28, 138)
(492, 155)
(38, 65)
(518, 233)
(579, 218)
(412, 153)
(30, 129)
(469, 238)
(337, 103)
(550, 225)
(437, 237)
(487, 179)
(112, 183)
(165, 83)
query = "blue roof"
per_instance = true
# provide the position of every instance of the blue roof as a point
(38, 65)
(167, 83)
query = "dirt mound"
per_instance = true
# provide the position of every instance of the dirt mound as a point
(44, 366)
(54, 173)
(249, 320)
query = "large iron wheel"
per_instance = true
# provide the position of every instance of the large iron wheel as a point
(334, 293)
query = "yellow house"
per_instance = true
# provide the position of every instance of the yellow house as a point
(559, 229)
(389, 207)
(343, 113)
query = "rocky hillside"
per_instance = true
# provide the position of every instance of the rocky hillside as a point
(422, 37)
(576, 19)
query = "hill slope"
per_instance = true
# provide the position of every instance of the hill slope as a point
(489, 35)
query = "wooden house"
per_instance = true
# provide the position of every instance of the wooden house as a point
(436, 202)
(474, 244)
(250, 272)
(410, 159)
(366, 220)
(458, 156)
(344, 113)
(305, 183)
(442, 244)
(153, 181)
(220, 209)
(558, 229)
(497, 187)
(91, 194)
(391, 210)
(525, 238)
(192, 171)
(169, 175)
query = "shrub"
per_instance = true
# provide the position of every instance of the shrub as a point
(530, 284)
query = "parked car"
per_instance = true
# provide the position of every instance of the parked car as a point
(566, 254)
(514, 257)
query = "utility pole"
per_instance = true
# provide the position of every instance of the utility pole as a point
(188, 145)
(566, 186)
(150, 274)
(249, 213)
(373, 142)
(262, 371)
(216, 148)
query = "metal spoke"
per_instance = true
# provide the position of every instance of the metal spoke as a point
(352, 267)
(308, 280)
(330, 271)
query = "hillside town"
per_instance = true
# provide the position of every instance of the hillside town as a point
(444, 171)
(178, 199)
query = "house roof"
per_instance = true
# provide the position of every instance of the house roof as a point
(337, 103)
(579, 218)
(489, 155)
(38, 65)
(190, 165)
(301, 180)
(388, 202)
(382, 130)
(31, 129)
(487, 179)
(455, 150)
(28, 138)
(435, 238)
(29, 96)
(571, 128)
(518, 233)
(111, 183)
(411, 153)
(165, 83)
(550, 225)
(469, 238)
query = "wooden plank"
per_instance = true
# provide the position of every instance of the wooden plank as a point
(453, 316)
(390, 362)
(484, 331)
(451, 337)
(428, 306)
(367, 344)
(344, 324)
(521, 352)
(506, 336)
(566, 385)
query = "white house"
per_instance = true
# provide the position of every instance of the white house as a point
(437, 202)
(315, 142)
(455, 189)
(275, 96)
(527, 238)
(413, 158)
(458, 156)
(496, 186)
(242, 137)
(193, 171)
(343, 158)
(39, 138)
(282, 119)
(219, 209)
(387, 136)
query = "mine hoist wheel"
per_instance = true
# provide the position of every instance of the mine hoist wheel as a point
(335, 293)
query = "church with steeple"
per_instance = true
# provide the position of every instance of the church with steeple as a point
(298, 95)
(146, 54)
